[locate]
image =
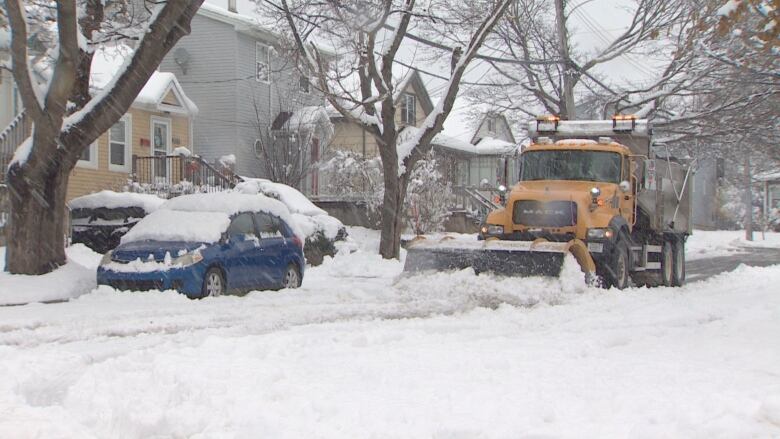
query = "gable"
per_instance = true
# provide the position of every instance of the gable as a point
(171, 99)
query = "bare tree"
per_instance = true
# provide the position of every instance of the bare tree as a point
(361, 87)
(285, 145)
(65, 116)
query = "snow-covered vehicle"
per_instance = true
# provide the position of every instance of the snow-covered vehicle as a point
(208, 245)
(321, 230)
(100, 220)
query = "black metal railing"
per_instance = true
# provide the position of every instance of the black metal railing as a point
(172, 175)
(10, 138)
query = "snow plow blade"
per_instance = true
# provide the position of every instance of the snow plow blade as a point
(507, 258)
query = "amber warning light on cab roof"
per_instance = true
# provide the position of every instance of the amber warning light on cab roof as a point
(547, 123)
(623, 123)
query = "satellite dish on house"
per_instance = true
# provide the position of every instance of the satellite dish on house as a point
(182, 58)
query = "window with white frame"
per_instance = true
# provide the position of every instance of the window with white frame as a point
(408, 109)
(89, 157)
(263, 63)
(119, 145)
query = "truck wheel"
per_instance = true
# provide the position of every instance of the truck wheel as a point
(678, 273)
(620, 278)
(667, 264)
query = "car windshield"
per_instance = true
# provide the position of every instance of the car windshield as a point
(571, 165)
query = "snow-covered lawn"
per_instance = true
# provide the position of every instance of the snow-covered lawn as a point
(359, 351)
(710, 244)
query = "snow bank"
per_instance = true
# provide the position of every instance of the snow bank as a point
(309, 225)
(710, 244)
(172, 225)
(115, 200)
(73, 279)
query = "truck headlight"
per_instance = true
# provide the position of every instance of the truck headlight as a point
(106, 258)
(187, 259)
(605, 233)
(492, 229)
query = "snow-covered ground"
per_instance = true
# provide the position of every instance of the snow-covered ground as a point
(710, 244)
(360, 351)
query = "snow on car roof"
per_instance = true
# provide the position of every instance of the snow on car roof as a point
(115, 200)
(174, 225)
(230, 203)
(291, 197)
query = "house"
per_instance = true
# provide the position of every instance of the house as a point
(159, 121)
(235, 71)
(491, 152)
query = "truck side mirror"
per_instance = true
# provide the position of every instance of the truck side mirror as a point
(624, 186)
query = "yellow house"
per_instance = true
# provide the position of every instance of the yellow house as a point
(158, 122)
(414, 106)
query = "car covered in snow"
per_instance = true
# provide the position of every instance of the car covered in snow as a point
(100, 220)
(209, 245)
(322, 231)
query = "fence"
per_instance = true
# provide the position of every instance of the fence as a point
(172, 175)
(10, 138)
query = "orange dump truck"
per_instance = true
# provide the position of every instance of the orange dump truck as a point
(601, 191)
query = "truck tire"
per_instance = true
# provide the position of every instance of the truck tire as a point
(678, 271)
(667, 264)
(620, 277)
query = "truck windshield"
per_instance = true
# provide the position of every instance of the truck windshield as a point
(571, 165)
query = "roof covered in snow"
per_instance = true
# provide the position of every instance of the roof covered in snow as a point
(106, 64)
(116, 200)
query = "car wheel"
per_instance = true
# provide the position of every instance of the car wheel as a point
(678, 274)
(214, 283)
(292, 277)
(667, 264)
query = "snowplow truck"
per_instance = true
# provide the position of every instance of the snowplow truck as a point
(598, 190)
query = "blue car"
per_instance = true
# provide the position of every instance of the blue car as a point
(209, 245)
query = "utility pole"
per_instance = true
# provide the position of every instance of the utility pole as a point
(567, 110)
(748, 199)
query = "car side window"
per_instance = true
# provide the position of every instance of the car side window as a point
(268, 225)
(241, 225)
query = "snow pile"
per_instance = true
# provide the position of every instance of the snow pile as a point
(182, 151)
(170, 225)
(73, 279)
(309, 225)
(227, 161)
(710, 244)
(115, 200)
(291, 197)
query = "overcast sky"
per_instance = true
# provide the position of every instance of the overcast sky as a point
(591, 26)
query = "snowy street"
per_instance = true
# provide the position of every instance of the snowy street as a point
(360, 351)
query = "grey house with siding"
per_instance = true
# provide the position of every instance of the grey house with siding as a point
(233, 69)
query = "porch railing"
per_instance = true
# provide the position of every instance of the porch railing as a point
(173, 175)
(10, 138)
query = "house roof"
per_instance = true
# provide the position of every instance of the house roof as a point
(242, 22)
(106, 64)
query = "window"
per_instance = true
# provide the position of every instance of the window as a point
(119, 145)
(408, 109)
(304, 84)
(491, 124)
(263, 63)
(268, 226)
(89, 157)
(241, 225)
(259, 148)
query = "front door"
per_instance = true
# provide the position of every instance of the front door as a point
(161, 147)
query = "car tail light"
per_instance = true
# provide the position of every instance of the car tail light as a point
(297, 241)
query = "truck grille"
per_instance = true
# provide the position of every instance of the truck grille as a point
(545, 213)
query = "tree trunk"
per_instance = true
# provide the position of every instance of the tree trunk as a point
(392, 215)
(37, 224)
(748, 200)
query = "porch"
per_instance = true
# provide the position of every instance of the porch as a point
(169, 176)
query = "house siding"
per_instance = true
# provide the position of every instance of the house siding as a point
(210, 82)
(85, 181)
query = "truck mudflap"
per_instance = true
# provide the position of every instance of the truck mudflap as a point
(507, 258)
